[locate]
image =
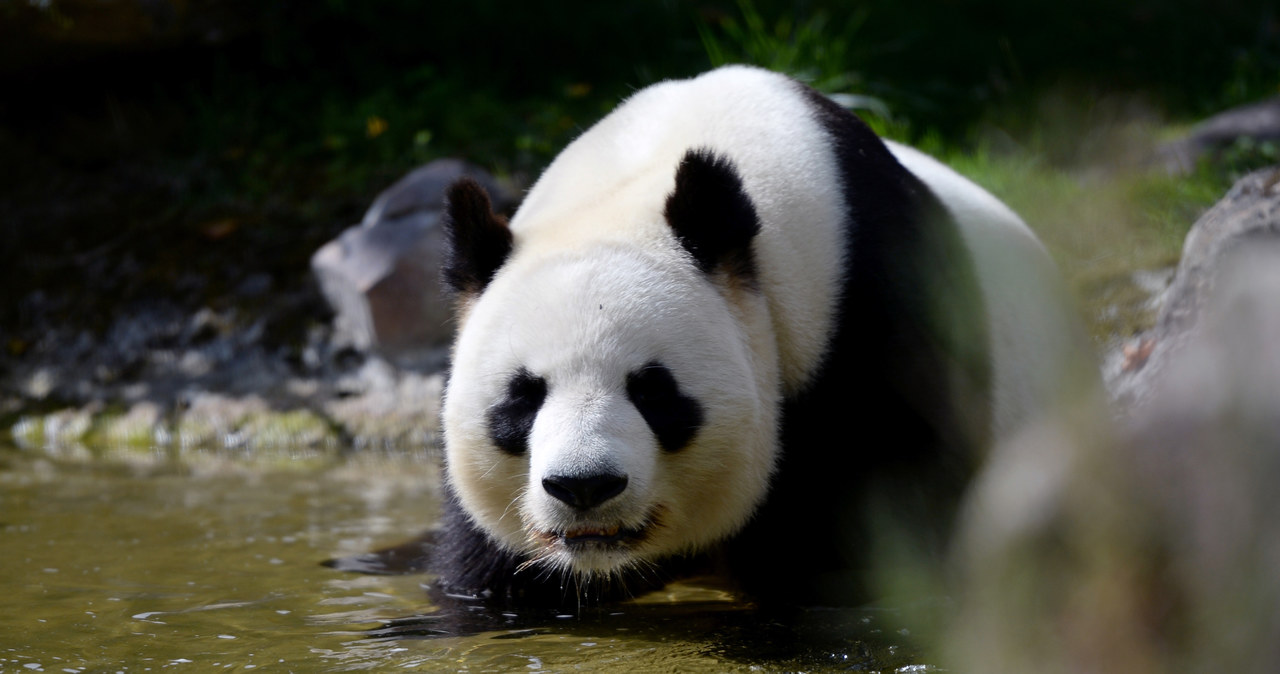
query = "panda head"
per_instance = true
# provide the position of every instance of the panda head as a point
(612, 399)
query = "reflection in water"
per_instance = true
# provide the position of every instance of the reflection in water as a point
(156, 561)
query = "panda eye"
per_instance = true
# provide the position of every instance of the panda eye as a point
(511, 419)
(672, 416)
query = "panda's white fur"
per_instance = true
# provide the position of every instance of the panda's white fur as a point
(596, 287)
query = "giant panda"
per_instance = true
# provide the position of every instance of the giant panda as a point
(730, 329)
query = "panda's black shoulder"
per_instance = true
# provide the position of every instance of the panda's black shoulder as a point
(911, 307)
(880, 412)
(883, 191)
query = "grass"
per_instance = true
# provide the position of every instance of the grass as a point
(1099, 226)
(1100, 203)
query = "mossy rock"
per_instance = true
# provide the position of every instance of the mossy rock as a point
(215, 421)
(60, 428)
(141, 427)
(295, 428)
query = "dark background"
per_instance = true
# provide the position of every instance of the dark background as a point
(162, 148)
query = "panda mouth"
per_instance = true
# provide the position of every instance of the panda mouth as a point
(596, 536)
(609, 535)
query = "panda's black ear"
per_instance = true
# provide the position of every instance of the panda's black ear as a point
(711, 214)
(479, 240)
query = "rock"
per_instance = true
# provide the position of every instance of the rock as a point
(1247, 216)
(1257, 121)
(140, 427)
(61, 429)
(298, 428)
(210, 420)
(215, 420)
(382, 276)
(423, 190)
(1152, 547)
(401, 410)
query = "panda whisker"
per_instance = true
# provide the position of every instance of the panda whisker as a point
(641, 568)
(544, 562)
(492, 467)
(550, 568)
(577, 581)
(528, 563)
(515, 500)
(639, 565)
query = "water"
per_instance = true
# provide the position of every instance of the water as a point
(148, 561)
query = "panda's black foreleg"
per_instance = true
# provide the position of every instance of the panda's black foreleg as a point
(411, 556)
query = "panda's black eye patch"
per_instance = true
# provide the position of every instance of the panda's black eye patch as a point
(673, 416)
(511, 419)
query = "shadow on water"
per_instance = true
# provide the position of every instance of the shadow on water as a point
(671, 629)
(155, 559)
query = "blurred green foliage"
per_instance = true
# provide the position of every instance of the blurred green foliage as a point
(291, 127)
(508, 83)
(947, 63)
(809, 47)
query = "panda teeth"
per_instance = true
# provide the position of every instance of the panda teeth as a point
(608, 532)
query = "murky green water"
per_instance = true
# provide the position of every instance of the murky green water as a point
(134, 562)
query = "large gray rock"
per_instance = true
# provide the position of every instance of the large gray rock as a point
(1247, 216)
(382, 277)
(1257, 121)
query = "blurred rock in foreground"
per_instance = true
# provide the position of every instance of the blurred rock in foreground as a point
(1154, 547)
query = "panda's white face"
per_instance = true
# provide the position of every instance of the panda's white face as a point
(607, 408)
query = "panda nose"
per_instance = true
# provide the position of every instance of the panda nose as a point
(587, 491)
